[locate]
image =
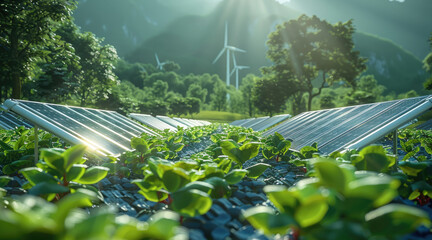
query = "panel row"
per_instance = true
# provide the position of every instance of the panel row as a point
(341, 128)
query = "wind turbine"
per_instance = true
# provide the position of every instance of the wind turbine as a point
(227, 48)
(236, 70)
(159, 64)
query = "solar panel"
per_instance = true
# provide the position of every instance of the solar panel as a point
(244, 123)
(350, 127)
(172, 122)
(104, 131)
(426, 125)
(269, 122)
(240, 121)
(185, 121)
(152, 122)
(9, 121)
(254, 121)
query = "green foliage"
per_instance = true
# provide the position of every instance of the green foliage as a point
(61, 172)
(308, 47)
(275, 145)
(314, 207)
(28, 217)
(21, 46)
(17, 148)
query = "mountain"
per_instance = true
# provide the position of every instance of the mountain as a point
(407, 23)
(127, 23)
(194, 42)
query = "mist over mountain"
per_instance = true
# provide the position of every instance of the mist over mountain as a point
(406, 23)
(193, 39)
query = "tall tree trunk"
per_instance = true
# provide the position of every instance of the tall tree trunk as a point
(15, 70)
(311, 95)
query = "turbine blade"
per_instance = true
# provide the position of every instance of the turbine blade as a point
(237, 49)
(157, 59)
(226, 34)
(218, 56)
(233, 71)
(234, 60)
(243, 67)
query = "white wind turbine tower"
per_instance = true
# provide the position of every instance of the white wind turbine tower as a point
(227, 48)
(159, 64)
(236, 70)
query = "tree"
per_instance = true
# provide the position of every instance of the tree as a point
(195, 90)
(159, 89)
(307, 48)
(134, 73)
(219, 96)
(96, 77)
(179, 106)
(55, 80)
(268, 96)
(26, 27)
(194, 105)
(246, 87)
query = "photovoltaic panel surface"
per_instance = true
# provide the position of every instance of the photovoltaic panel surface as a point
(152, 122)
(255, 121)
(425, 126)
(105, 131)
(172, 122)
(240, 121)
(9, 121)
(269, 122)
(349, 127)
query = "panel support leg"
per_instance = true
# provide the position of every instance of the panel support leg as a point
(395, 145)
(36, 144)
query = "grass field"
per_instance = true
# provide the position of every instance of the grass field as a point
(220, 117)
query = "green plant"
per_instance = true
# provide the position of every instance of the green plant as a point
(30, 217)
(60, 172)
(275, 145)
(338, 203)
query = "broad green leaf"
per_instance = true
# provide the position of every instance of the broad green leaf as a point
(374, 159)
(53, 158)
(19, 143)
(43, 188)
(265, 219)
(154, 195)
(412, 168)
(221, 187)
(191, 202)
(4, 180)
(73, 156)
(174, 179)
(421, 185)
(379, 189)
(330, 175)
(249, 150)
(93, 175)
(5, 146)
(199, 185)
(81, 198)
(90, 227)
(311, 213)
(76, 172)
(235, 176)
(139, 144)
(415, 194)
(281, 198)
(256, 170)
(396, 219)
(163, 225)
(35, 175)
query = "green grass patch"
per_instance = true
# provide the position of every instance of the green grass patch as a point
(220, 117)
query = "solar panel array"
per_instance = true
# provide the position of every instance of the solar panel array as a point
(105, 131)
(254, 121)
(9, 121)
(270, 122)
(172, 122)
(261, 123)
(354, 126)
(152, 122)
